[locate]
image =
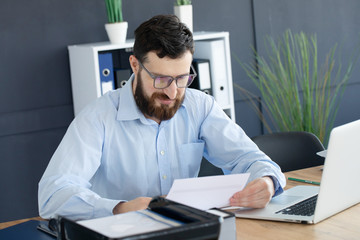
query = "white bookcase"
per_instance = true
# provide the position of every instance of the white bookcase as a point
(215, 46)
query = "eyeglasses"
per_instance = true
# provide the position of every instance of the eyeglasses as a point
(182, 81)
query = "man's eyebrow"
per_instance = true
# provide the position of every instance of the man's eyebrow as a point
(162, 75)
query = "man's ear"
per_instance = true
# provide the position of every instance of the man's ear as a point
(134, 64)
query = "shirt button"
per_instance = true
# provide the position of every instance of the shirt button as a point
(164, 177)
(162, 152)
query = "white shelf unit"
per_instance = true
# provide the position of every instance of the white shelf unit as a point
(85, 74)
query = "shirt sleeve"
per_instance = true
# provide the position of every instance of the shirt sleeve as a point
(64, 188)
(228, 147)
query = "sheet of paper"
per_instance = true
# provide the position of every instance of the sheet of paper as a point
(207, 192)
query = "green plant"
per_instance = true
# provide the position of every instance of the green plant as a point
(298, 93)
(182, 2)
(114, 10)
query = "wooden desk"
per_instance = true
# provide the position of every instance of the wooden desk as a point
(12, 223)
(344, 225)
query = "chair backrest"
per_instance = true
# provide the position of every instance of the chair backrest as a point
(291, 150)
(207, 169)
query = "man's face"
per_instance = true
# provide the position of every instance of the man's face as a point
(160, 104)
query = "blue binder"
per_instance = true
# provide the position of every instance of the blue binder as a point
(107, 82)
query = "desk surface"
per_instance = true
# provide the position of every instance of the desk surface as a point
(344, 225)
(12, 223)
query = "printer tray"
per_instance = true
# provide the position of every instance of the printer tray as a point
(197, 224)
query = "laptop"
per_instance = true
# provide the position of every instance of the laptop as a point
(339, 188)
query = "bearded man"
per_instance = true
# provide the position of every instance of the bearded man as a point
(130, 144)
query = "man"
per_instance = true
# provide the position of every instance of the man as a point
(130, 144)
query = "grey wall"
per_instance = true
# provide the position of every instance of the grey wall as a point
(35, 87)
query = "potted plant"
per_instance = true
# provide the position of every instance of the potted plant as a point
(116, 27)
(183, 10)
(297, 92)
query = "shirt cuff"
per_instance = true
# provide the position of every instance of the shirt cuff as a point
(104, 207)
(277, 187)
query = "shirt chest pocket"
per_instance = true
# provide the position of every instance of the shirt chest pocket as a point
(190, 156)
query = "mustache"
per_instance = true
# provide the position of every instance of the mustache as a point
(161, 96)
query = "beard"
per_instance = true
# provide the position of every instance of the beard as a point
(147, 105)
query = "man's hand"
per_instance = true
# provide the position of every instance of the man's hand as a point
(136, 204)
(257, 194)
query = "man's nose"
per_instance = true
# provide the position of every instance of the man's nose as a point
(171, 91)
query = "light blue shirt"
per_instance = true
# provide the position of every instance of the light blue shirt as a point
(112, 153)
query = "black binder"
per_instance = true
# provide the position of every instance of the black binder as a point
(203, 80)
(122, 68)
(197, 224)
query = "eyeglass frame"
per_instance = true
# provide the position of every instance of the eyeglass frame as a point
(194, 75)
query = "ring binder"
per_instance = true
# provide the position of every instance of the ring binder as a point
(196, 224)
(214, 50)
(203, 79)
(107, 82)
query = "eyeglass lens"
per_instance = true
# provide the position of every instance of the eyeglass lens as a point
(165, 81)
(181, 81)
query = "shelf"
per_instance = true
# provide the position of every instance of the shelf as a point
(85, 73)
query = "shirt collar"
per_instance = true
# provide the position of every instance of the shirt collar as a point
(128, 109)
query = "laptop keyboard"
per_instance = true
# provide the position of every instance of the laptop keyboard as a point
(303, 208)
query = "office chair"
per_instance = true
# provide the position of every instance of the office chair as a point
(291, 150)
(207, 169)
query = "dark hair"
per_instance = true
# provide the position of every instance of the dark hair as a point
(165, 35)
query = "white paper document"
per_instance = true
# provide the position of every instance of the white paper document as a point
(207, 192)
